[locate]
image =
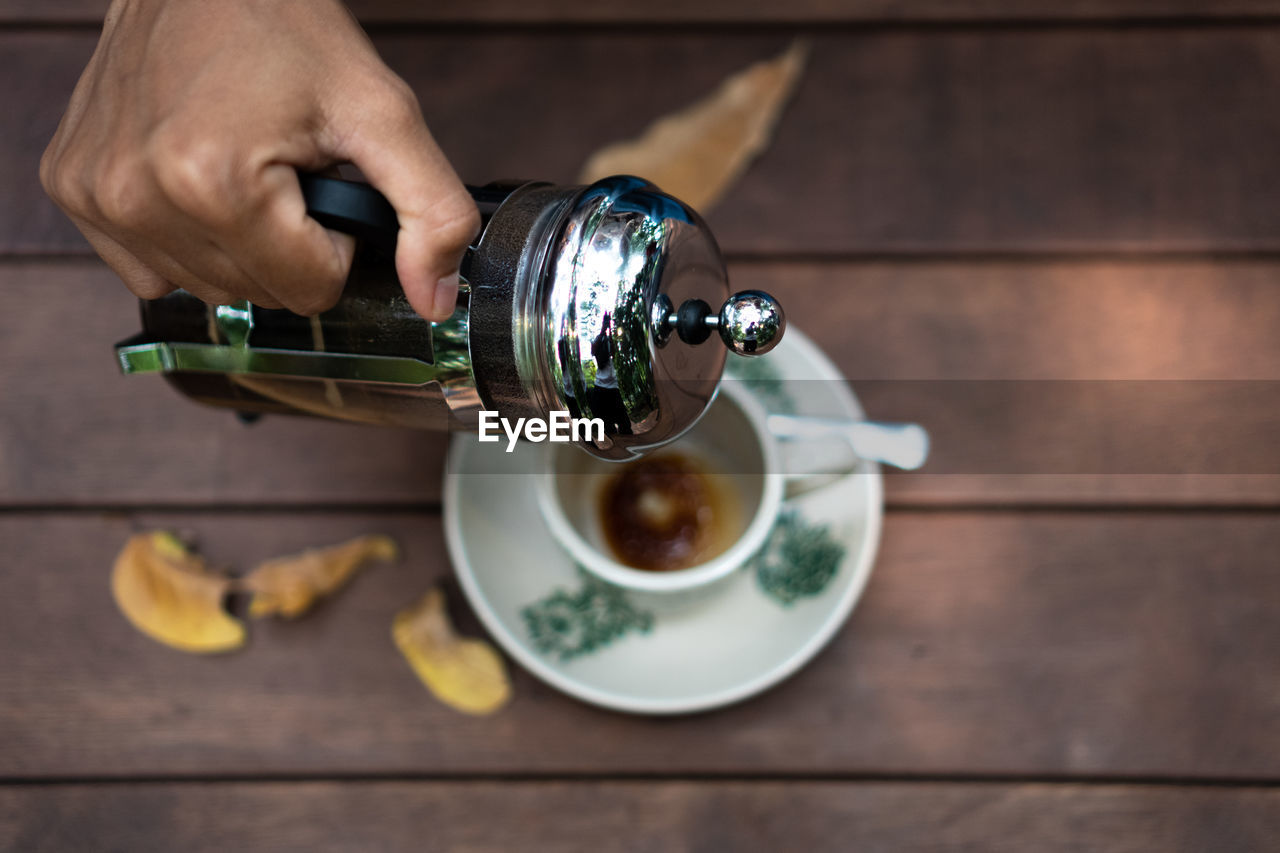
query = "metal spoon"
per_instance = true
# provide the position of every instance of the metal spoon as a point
(904, 446)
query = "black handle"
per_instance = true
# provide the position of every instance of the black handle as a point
(356, 208)
(351, 207)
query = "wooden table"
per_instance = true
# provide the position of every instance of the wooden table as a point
(1048, 230)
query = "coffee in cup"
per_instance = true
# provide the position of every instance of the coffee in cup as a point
(668, 511)
(704, 504)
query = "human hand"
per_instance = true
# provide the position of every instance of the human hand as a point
(177, 156)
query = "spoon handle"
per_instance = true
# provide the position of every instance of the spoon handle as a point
(902, 445)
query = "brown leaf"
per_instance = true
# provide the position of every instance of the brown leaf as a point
(288, 586)
(698, 152)
(465, 674)
(171, 596)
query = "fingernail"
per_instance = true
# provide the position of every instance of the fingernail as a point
(446, 298)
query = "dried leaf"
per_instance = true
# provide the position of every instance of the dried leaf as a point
(288, 586)
(170, 595)
(698, 152)
(465, 674)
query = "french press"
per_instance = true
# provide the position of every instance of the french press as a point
(594, 300)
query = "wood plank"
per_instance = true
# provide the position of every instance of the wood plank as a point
(1041, 382)
(943, 141)
(1139, 645)
(614, 816)
(558, 12)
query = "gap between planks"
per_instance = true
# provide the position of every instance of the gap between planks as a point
(781, 26)
(642, 778)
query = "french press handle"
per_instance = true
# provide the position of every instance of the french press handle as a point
(358, 209)
(351, 207)
(348, 206)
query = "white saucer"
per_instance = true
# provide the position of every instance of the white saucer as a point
(632, 654)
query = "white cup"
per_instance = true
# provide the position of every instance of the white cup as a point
(735, 444)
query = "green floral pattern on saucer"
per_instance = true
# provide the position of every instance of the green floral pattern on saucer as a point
(764, 381)
(798, 559)
(570, 624)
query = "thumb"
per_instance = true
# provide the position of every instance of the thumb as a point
(438, 218)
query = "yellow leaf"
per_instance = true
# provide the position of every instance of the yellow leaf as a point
(697, 153)
(465, 674)
(171, 596)
(288, 586)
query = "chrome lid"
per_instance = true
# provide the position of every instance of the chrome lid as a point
(626, 316)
